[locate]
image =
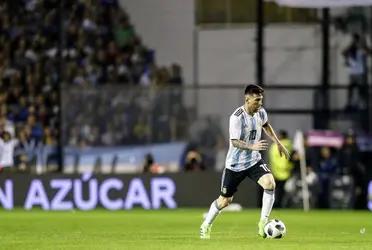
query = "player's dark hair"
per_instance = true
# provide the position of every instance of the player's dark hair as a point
(253, 89)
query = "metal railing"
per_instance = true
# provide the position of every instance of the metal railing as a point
(114, 115)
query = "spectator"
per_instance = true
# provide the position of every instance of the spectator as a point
(48, 137)
(176, 78)
(150, 166)
(349, 158)
(194, 161)
(280, 167)
(6, 124)
(355, 56)
(349, 155)
(26, 150)
(293, 186)
(7, 146)
(326, 170)
(124, 32)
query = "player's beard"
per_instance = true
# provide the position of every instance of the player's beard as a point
(252, 109)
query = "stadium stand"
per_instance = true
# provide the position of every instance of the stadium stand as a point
(100, 47)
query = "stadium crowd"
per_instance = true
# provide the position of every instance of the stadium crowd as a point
(100, 46)
(335, 174)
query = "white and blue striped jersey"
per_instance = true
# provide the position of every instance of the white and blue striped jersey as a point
(246, 128)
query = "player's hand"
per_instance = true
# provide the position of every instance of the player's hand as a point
(283, 151)
(260, 145)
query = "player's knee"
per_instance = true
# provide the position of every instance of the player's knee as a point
(224, 201)
(271, 185)
(268, 183)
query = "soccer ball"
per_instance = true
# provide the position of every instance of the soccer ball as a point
(275, 229)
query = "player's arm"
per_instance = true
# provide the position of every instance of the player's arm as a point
(271, 133)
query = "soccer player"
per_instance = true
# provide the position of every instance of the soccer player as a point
(244, 159)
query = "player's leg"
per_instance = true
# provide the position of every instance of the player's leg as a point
(230, 181)
(267, 182)
(214, 210)
(261, 174)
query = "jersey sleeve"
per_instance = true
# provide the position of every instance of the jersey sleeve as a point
(235, 127)
(263, 116)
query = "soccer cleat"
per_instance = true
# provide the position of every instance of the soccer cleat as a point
(261, 226)
(205, 231)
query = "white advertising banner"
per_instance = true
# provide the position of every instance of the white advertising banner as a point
(322, 3)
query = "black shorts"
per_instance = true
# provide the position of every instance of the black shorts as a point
(231, 180)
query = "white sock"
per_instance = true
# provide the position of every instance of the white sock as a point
(268, 199)
(212, 213)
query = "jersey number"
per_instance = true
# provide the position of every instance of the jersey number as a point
(252, 135)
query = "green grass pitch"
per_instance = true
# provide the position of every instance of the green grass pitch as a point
(178, 229)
